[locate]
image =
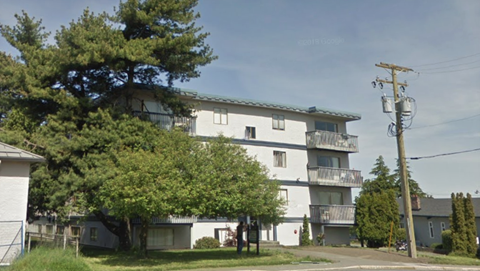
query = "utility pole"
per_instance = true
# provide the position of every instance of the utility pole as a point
(407, 204)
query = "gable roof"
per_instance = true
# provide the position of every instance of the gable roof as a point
(437, 207)
(10, 153)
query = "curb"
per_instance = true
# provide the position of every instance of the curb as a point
(380, 267)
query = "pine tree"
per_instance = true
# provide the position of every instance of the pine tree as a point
(383, 180)
(458, 227)
(470, 225)
(306, 241)
(412, 184)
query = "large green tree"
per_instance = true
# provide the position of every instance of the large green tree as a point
(52, 94)
(412, 184)
(376, 207)
(463, 226)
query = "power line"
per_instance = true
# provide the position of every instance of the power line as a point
(450, 66)
(466, 69)
(441, 123)
(442, 154)
(441, 62)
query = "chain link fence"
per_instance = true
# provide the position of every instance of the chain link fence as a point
(11, 241)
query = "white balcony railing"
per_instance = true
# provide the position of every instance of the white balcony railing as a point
(335, 177)
(168, 121)
(332, 214)
(332, 141)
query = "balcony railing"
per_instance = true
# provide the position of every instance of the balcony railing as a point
(170, 220)
(335, 177)
(168, 121)
(332, 141)
(332, 214)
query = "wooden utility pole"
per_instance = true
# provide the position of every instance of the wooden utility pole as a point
(407, 204)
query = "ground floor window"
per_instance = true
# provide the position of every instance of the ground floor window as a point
(430, 227)
(75, 231)
(160, 237)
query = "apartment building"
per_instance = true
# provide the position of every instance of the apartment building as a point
(305, 148)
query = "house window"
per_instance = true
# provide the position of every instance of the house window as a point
(75, 231)
(442, 226)
(220, 116)
(279, 159)
(326, 126)
(278, 122)
(250, 132)
(331, 198)
(430, 227)
(328, 161)
(93, 234)
(283, 193)
(160, 237)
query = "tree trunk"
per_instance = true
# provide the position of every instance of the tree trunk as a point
(122, 230)
(143, 236)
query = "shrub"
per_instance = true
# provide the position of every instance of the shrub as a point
(402, 234)
(320, 238)
(47, 258)
(206, 243)
(306, 241)
(436, 246)
(447, 240)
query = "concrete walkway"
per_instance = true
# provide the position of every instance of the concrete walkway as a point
(342, 262)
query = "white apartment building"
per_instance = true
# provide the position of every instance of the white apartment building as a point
(305, 148)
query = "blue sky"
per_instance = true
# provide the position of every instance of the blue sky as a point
(323, 53)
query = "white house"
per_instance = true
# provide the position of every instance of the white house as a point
(305, 148)
(14, 179)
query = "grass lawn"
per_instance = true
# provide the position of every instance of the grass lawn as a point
(184, 259)
(45, 258)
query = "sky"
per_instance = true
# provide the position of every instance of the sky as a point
(323, 53)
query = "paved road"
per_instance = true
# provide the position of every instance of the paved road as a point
(352, 259)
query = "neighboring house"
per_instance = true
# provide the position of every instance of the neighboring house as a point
(14, 181)
(305, 148)
(431, 218)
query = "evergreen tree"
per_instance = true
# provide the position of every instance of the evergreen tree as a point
(412, 184)
(306, 241)
(470, 225)
(374, 214)
(458, 227)
(383, 180)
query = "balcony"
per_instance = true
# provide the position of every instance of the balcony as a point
(168, 121)
(332, 141)
(170, 220)
(334, 177)
(332, 214)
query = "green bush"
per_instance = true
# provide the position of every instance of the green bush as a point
(436, 246)
(46, 258)
(402, 234)
(206, 243)
(447, 240)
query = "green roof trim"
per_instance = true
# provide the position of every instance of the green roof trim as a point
(307, 110)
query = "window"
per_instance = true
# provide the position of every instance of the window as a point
(250, 132)
(220, 116)
(278, 122)
(75, 231)
(160, 237)
(93, 234)
(325, 126)
(283, 193)
(430, 226)
(331, 198)
(328, 161)
(279, 159)
(442, 226)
